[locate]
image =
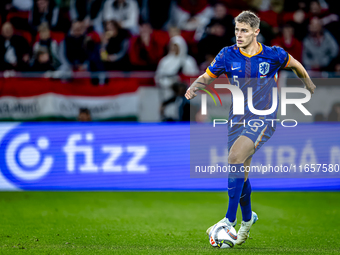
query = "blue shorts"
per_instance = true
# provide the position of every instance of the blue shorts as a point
(258, 134)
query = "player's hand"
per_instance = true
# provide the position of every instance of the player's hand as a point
(311, 87)
(190, 94)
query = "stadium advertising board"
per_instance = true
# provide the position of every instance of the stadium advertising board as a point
(110, 156)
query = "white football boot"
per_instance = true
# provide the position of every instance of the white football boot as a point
(224, 220)
(243, 232)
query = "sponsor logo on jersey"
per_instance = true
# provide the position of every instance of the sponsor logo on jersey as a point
(236, 65)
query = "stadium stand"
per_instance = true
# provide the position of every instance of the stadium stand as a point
(59, 38)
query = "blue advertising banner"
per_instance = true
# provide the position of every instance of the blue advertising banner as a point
(132, 156)
(303, 151)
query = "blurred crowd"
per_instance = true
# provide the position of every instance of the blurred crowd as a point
(173, 38)
(168, 36)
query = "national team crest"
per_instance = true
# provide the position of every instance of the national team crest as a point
(264, 68)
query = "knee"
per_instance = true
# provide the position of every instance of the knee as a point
(234, 158)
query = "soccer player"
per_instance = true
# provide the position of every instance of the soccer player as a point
(240, 62)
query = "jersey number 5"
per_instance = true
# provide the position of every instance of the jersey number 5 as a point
(237, 83)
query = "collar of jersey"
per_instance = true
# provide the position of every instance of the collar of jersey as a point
(249, 56)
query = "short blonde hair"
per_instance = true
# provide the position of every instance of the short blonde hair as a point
(249, 18)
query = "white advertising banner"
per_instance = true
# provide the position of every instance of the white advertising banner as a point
(56, 105)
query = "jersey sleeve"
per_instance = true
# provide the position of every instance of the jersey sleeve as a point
(283, 57)
(217, 66)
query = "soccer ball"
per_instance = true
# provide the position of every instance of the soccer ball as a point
(222, 236)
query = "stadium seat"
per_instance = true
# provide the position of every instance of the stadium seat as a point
(55, 35)
(18, 14)
(27, 35)
(58, 36)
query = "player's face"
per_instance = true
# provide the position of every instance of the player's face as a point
(245, 34)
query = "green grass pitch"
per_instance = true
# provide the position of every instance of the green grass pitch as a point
(163, 223)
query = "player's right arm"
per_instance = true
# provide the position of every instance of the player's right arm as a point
(200, 83)
(216, 68)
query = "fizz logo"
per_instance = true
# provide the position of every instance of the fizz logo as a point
(113, 152)
(25, 159)
(32, 157)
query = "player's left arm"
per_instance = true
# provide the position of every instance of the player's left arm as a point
(301, 72)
